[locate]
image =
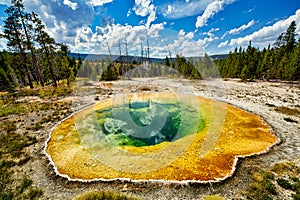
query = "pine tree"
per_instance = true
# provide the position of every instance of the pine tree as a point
(167, 61)
(280, 41)
(15, 39)
(5, 71)
(252, 62)
(47, 45)
(293, 71)
(245, 73)
(24, 18)
(33, 52)
(228, 66)
(279, 62)
(289, 37)
(263, 63)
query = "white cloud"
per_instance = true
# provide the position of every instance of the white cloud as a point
(2, 44)
(251, 10)
(206, 42)
(151, 18)
(236, 31)
(190, 35)
(60, 19)
(159, 38)
(60, 32)
(2, 40)
(144, 8)
(96, 42)
(69, 25)
(223, 44)
(5, 2)
(180, 9)
(72, 5)
(100, 2)
(191, 49)
(181, 33)
(212, 9)
(211, 31)
(268, 35)
(169, 10)
(129, 13)
(186, 47)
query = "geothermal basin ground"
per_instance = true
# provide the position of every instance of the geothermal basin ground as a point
(277, 103)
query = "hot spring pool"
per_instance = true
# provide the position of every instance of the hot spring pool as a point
(156, 136)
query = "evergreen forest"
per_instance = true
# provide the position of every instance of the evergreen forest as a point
(281, 62)
(34, 59)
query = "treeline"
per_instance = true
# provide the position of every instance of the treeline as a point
(282, 61)
(182, 66)
(192, 68)
(34, 58)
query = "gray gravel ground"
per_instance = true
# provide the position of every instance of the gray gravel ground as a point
(258, 97)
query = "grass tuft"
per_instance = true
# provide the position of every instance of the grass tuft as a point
(25, 183)
(33, 193)
(213, 197)
(262, 187)
(285, 184)
(103, 195)
(14, 109)
(265, 182)
(14, 142)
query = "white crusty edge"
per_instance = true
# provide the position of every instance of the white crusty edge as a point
(184, 182)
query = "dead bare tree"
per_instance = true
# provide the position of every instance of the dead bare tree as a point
(170, 56)
(127, 56)
(148, 50)
(142, 53)
(109, 52)
(121, 59)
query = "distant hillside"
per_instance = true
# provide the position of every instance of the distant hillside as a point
(219, 57)
(93, 57)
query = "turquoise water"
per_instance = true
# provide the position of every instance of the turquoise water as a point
(146, 123)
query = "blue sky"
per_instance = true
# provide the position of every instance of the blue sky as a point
(187, 27)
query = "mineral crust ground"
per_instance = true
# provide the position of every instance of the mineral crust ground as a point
(242, 134)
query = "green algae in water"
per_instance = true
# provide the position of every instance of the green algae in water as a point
(148, 123)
